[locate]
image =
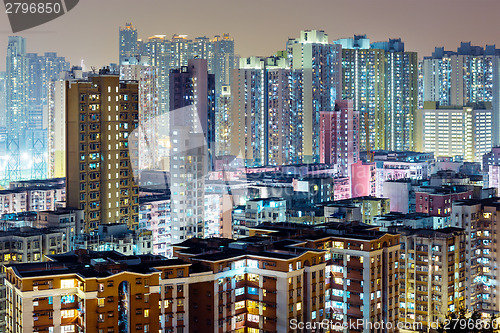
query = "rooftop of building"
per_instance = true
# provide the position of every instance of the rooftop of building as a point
(28, 183)
(61, 211)
(431, 105)
(393, 216)
(444, 189)
(266, 199)
(28, 232)
(23, 189)
(18, 216)
(492, 202)
(153, 198)
(281, 241)
(400, 156)
(351, 202)
(429, 232)
(94, 264)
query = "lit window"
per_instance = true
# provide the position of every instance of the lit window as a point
(67, 328)
(239, 291)
(253, 318)
(68, 313)
(68, 283)
(239, 305)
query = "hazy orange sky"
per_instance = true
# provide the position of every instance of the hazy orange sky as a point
(90, 30)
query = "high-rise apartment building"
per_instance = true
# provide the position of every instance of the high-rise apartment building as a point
(27, 80)
(3, 104)
(469, 75)
(248, 129)
(157, 48)
(321, 65)
(455, 131)
(382, 80)
(339, 136)
(149, 134)
(401, 94)
(266, 112)
(224, 60)
(363, 81)
(432, 270)
(193, 85)
(101, 112)
(56, 144)
(128, 42)
(223, 123)
(192, 133)
(42, 69)
(480, 219)
(168, 54)
(16, 101)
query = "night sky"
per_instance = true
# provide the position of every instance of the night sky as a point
(90, 30)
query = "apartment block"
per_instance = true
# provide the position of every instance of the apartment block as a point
(455, 131)
(480, 220)
(154, 215)
(282, 272)
(257, 211)
(102, 111)
(35, 198)
(339, 136)
(26, 245)
(363, 181)
(116, 237)
(432, 272)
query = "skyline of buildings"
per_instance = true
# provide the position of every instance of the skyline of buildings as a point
(198, 191)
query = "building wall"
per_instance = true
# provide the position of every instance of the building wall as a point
(433, 281)
(99, 177)
(438, 204)
(339, 136)
(363, 181)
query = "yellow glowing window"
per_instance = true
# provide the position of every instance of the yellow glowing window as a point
(100, 302)
(299, 306)
(146, 313)
(253, 277)
(6, 257)
(252, 304)
(253, 330)
(68, 313)
(338, 245)
(239, 305)
(165, 304)
(68, 283)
